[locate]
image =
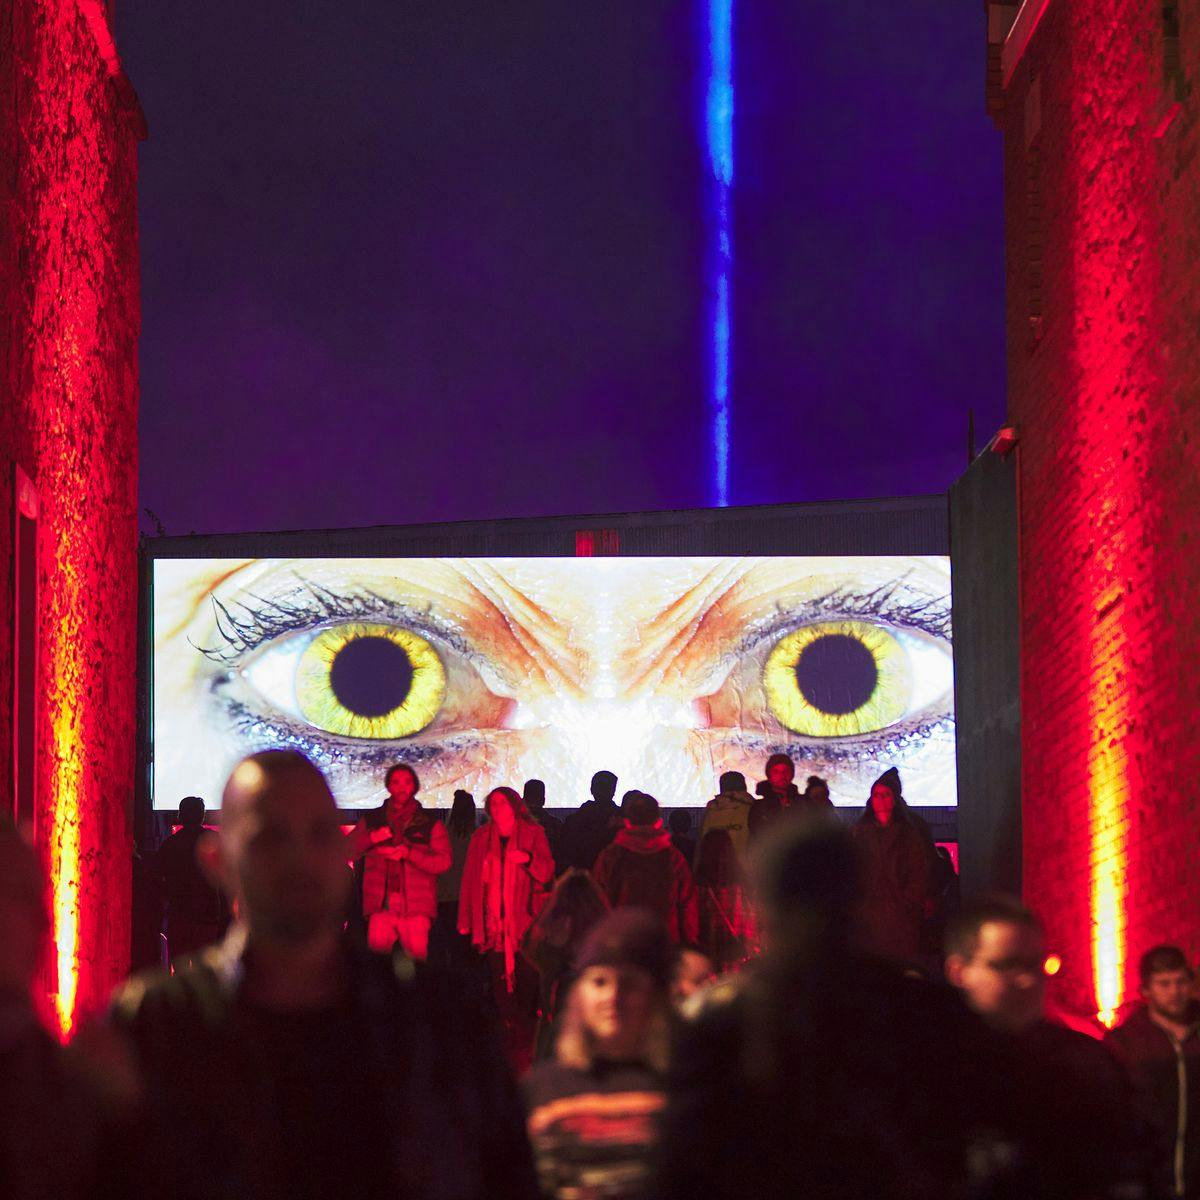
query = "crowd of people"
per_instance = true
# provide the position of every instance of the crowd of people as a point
(749, 1010)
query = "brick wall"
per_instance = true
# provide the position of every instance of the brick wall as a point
(1102, 197)
(68, 377)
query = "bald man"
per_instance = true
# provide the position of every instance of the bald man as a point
(49, 1123)
(290, 1062)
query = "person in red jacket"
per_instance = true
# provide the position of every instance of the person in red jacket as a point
(509, 869)
(404, 849)
(642, 869)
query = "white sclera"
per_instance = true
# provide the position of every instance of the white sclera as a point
(932, 666)
(272, 672)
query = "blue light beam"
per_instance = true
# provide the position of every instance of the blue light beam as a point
(718, 128)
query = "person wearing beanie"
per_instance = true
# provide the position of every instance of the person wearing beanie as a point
(642, 869)
(894, 862)
(729, 810)
(593, 1110)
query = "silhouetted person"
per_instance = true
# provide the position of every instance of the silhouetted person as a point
(508, 871)
(534, 795)
(729, 810)
(1075, 1127)
(680, 825)
(196, 914)
(254, 1062)
(48, 1120)
(894, 861)
(819, 1073)
(454, 950)
(404, 849)
(1159, 1047)
(641, 869)
(594, 1106)
(777, 794)
(593, 825)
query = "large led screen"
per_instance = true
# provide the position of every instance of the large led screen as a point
(478, 672)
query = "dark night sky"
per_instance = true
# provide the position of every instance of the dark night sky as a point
(432, 261)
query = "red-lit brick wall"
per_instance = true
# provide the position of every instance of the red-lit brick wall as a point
(1102, 183)
(68, 378)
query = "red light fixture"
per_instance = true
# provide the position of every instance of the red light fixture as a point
(1004, 441)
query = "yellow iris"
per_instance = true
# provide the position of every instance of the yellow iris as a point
(415, 706)
(795, 706)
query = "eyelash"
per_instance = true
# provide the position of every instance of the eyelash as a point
(329, 750)
(245, 627)
(274, 618)
(931, 616)
(896, 746)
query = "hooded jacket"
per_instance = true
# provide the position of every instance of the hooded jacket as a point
(729, 811)
(642, 869)
(1165, 1074)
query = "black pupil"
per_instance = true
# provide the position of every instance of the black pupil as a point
(370, 676)
(836, 674)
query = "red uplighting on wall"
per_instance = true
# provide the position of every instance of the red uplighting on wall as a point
(70, 421)
(1103, 401)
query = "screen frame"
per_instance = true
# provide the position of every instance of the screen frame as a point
(906, 526)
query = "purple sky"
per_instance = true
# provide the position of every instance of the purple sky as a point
(442, 260)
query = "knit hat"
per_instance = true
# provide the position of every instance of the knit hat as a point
(629, 937)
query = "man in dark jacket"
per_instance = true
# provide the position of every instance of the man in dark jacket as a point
(286, 1064)
(1159, 1046)
(642, 869)
(592, 826)
(1075, 1129)
(777, 794)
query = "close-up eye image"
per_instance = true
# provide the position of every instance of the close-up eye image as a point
(842, 678)
(358, 680)
(670, 671)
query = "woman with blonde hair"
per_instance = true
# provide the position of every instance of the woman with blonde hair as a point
(593, 1110)
(552, 945)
